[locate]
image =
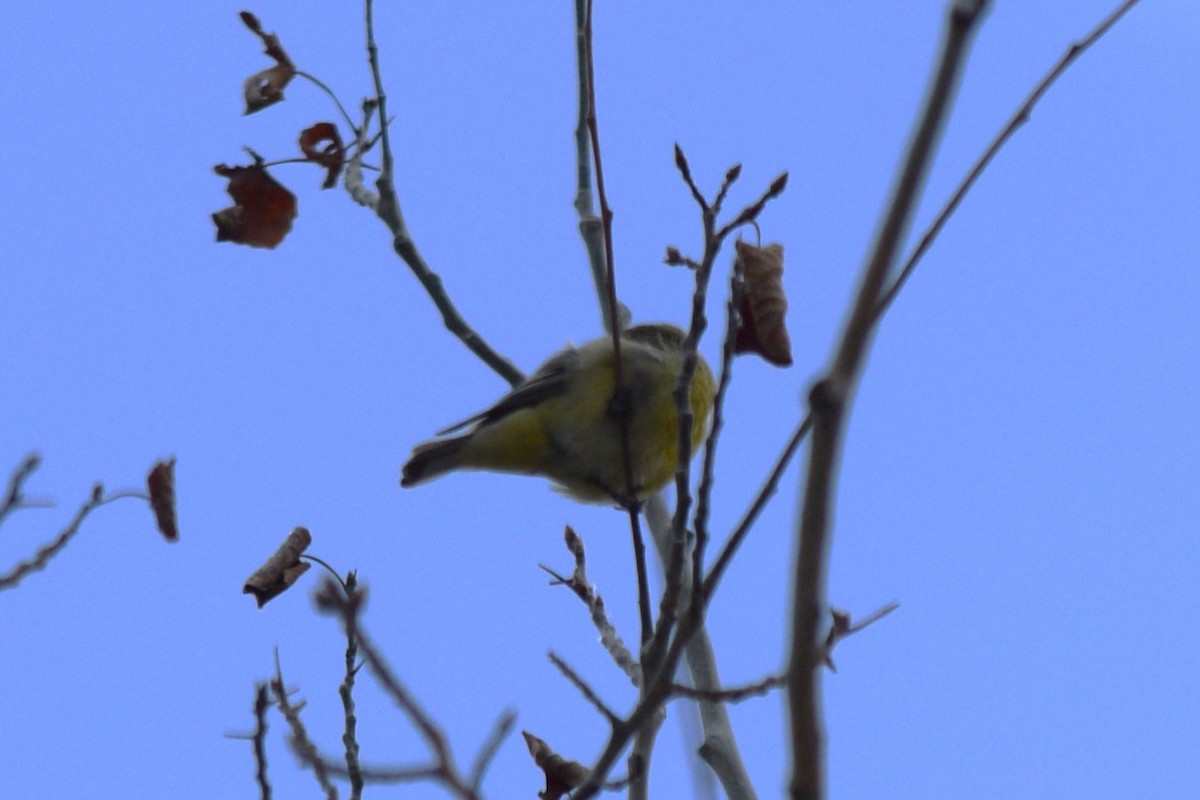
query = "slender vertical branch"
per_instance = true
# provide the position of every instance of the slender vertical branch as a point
(346, 692)
(621, 402)
(643, 580)
(262, 703)
(301, 743)
(720, 748)
(831, 398)
(606, 214)
(622, 406)
(714, 237)
(704, 493)
(347, 606)
(590, 226)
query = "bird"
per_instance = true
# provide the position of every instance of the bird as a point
(564, 421)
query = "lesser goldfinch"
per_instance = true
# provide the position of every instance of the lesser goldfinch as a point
(563, 422)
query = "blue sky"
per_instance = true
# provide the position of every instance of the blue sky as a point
(1020, 471)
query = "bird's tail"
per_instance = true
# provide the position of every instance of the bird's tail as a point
(431, 459)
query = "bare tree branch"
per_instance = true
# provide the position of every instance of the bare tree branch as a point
(720, 749)
(734, 694)
(262, 702)
(830, 399)
(346, 693)
(388, 210)
(491, 746)
(331, 599)
(584, 688)
(14, 500)
(843, 627)
(583, 589)
(608, 299)
(1018, 119)
(14, 494)
(300, 742)
(590, 226)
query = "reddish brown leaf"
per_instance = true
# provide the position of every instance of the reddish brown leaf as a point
(161, 483)
(281, 570)
(263, 210)
(332, 156)
(561, 775)
(764, 305)
(265, 88)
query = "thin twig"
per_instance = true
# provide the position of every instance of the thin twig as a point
(1015, 122)
(721, 747)
(683, 587)
(323, 87)
(389, 211)
(731, 176)
(682, 393)
(843, 627)
(751, 212)
(731, 695)
(610, 640)
(346, 693)
(347, 607)
(583, 589)
(330, 599)
(661, 656)
(609, 298)
(590, 226)
(353, 178)
(707, 468)
(46, 552)
(713, 240)
(639, 559)
(606, 214)
(387, 775)
(262, 703)
(300, 742)
(649, 705)
(13, 497)
(760, 502)
(490, 747)
(586, 690)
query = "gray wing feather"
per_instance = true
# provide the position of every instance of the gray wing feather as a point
(549, 381)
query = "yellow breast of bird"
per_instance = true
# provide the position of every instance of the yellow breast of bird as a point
(583, 425)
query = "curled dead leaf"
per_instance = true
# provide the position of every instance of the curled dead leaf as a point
(161, 484)
(263, 210)
(332, 156)
(562, 775)
(281, 570)
(763, 308)
(265, 88)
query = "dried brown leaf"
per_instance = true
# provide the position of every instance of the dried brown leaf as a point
(332, 156)
(281, 570)
(161, 484)
(763, 309)
(265, 88)
(263, 210)
(562, 775)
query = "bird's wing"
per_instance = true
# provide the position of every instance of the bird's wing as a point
(549, 381)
